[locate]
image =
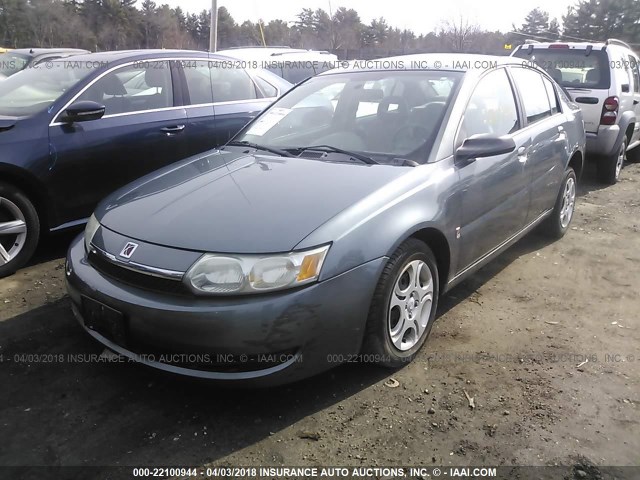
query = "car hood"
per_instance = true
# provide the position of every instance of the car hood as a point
(239, 203)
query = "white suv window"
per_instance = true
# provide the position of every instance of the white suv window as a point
(572, 67)
(633, 64)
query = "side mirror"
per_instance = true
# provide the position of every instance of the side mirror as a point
(83, 111)
(484, 145)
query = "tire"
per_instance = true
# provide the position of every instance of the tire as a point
(387, 340)
(19, 229)
(633, 155)
(557, 224)
(609, 168)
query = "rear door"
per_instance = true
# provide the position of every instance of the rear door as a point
(237, 100)
(496, 189)
(198, 100)
(546, 158)
(141, 131)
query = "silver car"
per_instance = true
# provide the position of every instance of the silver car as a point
(326, 231)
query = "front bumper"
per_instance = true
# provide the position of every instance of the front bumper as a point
(296, 333)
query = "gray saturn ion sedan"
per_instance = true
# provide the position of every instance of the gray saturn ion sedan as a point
(326, 230)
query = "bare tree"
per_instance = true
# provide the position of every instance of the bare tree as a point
(458, 34)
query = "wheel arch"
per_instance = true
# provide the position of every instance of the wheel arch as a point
(577, 163)
(32, 188)
(437, 241)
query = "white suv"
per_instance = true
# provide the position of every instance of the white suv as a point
(604, 79)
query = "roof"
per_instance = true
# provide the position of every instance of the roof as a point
(430, 61)
(612, 42)
(132, 55)
(272, 53)
(42, 51)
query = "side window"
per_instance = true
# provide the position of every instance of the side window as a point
(267, 89)
(491, 108)
(198, 80)
(534, 94)
(551, 94)
(134, 88)
(633, 64)
(230, 84)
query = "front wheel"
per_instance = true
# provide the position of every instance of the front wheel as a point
(404, 305)
(19, 229)
(609, 168)
(558, 222)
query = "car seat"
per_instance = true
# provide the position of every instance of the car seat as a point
(592, 76)
(158, 79)
(556, 74)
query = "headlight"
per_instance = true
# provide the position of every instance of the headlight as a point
(90, 230)
(218, 274)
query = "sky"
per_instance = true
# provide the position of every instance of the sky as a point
(421, 16)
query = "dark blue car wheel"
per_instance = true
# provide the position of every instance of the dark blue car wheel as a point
(19, 229)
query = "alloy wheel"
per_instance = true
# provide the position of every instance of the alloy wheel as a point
(568, 202)
(410, 306)
(13, 231)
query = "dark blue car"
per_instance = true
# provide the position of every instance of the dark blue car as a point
(73, 130)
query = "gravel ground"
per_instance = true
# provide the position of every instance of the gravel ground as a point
(515, 338)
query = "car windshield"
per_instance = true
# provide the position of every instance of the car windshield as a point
(33, 90)
(385, 115)
(11, 63)
(573, 68)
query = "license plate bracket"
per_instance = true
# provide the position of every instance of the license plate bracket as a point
(106, 321)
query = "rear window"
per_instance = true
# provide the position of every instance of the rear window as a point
(571, 67)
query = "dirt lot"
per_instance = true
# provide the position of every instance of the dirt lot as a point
(515, 338)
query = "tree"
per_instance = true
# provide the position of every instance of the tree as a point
(226, 29)
(347, 28)
(598, 20)
(535, 23)
(375, 33)
(457, 34)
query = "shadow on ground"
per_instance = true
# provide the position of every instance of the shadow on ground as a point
(58, 406)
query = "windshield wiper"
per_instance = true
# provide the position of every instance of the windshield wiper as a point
(257, 146)
(329, 148)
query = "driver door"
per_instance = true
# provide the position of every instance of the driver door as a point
(495, 189)
(141, 131)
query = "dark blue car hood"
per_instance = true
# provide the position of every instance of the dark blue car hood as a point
(236, 202)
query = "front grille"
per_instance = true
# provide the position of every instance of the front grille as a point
(137, 279)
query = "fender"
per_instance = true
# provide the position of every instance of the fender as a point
(626, 119)
(35, 190)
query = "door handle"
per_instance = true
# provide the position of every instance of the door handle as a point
(522, 154)
(561, 133)
(172, 130)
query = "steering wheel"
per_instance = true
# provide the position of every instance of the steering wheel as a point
(396, 116)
